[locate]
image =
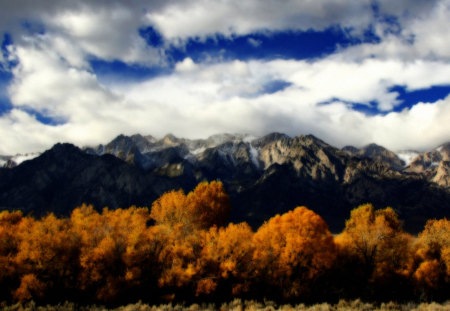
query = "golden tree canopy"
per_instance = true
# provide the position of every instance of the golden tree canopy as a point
(207, 205)
(294, 246)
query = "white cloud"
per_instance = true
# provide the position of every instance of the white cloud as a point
(105, 29)
(195, 104)
(186, 65)
(46, 83)
(198, 100)
(431, 33)
(254, 42)
(423, 32)
(108, 34)
(204, 18)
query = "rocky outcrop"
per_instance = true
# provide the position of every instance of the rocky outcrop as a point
(377, 153)
(433, 165)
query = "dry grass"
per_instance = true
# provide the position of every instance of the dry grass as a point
(239, 305)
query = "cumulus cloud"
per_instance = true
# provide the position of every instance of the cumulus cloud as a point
(104, 29)
(53, 76)
(195, 104)
(107, 34)
(198, 100)
(422, 32)
(207, 17)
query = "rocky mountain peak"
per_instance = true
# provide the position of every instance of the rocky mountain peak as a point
(60, 150)
(377, 153)
(444, 150)
(171, 140)
(311, 140)
(148, 138)
(307, 154)
(350, 150)
(434, 165)
(269, 138)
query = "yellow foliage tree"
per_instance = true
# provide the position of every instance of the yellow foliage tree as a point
(9, 241)
(226, 260)
(47, 256)
(178, 254)
(207, 205)
(115, 249)
(292, 250)
(375, 238)
(433, 256)
(181, 221)
(30, 287)
(170, 208)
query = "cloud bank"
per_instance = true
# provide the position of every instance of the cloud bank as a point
(56, 95)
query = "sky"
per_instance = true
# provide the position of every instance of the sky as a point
(351, 72)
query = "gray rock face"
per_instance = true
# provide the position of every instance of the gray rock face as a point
(308, 156)
(433, 165)
(377, 153)
(264, 176)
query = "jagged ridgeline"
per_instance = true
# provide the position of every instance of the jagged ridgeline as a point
(264, 176)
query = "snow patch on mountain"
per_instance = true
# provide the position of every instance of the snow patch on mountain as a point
(254, 155)
(219, 139)
(18, 158)
(24, 157)
(249, 138)
(198, 150)
(407, 156)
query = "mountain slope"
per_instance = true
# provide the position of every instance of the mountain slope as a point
(64, 177)
(263, 176)
(377, 153)
(435, 165)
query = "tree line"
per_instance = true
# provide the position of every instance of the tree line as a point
(182, 249)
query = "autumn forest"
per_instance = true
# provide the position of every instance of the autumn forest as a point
(183, 249)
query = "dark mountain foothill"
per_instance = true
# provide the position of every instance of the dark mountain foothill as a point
(264, 176)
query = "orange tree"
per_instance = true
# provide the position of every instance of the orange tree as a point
(292, 251)
(226, 261)
(9, 242)
(116, 250)
(376, 249)
(432, 259)
(46, 259)
(181, 223)
(207, 205)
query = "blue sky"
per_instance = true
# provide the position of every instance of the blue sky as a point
(350, 72)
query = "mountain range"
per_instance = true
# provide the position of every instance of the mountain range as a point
(263, 175)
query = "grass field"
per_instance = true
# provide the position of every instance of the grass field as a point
(239, 305)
